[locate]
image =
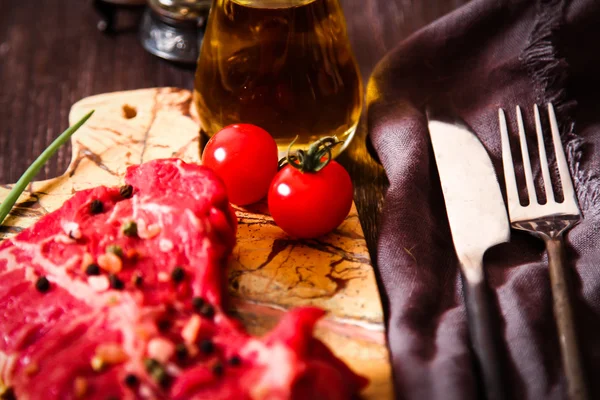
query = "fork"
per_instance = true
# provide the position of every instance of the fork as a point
(548, 221)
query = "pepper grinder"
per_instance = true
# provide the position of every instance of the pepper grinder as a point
(170, 29)
(174, 29)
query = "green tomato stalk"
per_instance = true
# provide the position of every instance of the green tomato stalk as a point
(314, 159)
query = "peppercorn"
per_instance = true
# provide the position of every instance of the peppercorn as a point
(115, 249)
(218, 369)
(235, 360)
(197, 303)
(96, 207)
(207, 311)
(138, 279)
(130, 229)
(131, 380)
(42, 284)
(160, 376)
(92, 269)
(163, 324)
(150, 364)
(207, 346)
(115, 282)
(181, 351)
(126, 191)
(178, 274)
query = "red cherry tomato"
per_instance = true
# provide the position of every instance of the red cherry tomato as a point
(310, 204)
(245, 157)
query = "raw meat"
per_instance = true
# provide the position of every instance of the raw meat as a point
(119, 294)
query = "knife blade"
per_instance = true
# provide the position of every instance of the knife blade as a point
(478, 221)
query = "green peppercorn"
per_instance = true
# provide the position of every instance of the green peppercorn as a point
(96, 207)
(151, 364)
(126, 191)
(92, 269)
(115, 282)
(42, 284)
(130, 229)
(115, 249)
(178, 274)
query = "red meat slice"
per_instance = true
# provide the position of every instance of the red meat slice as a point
(159, 331)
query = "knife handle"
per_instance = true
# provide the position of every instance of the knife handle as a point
(484, 333)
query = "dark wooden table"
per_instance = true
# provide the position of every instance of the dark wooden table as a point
(52, 55)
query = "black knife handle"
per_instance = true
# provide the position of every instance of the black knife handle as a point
(484, 334)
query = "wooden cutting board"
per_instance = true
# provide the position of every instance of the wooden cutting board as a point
(270, 272)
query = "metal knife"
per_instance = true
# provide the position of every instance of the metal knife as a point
(478, 221)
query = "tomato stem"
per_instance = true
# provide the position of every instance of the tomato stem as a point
(314, 159)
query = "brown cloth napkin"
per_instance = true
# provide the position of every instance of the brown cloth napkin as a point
(487, 54)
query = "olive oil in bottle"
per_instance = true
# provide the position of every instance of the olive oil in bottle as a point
(284, 65)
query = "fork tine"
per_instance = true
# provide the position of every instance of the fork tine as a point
(512, 195)
(543, 158)
(563, 168)
(526, 161)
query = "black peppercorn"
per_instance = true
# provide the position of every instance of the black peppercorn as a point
(218, 369)
(163, 324)
(130, 229)
(207, 346)
(92, 269)
(235, 360)
(138, 280)
(115, 282)
(126, 191)
(96, 207)
(207, 311)
(197, 303)
(181, 351)
(131, 380)
(178, 274)
(42, 284)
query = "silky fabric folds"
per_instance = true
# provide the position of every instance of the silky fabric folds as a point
(486, 55)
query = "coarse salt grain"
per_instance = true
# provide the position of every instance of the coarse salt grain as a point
(98, 283)
(165, 245)
(72, 229)
(148, 232)
(62, 238)
(189, 333)
(163, 277)
(160, 349)
(110, 262)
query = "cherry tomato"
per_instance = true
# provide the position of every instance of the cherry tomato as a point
(310, 204)
(245, 157)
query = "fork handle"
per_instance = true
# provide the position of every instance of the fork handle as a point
(563, 312)
(484, 334)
